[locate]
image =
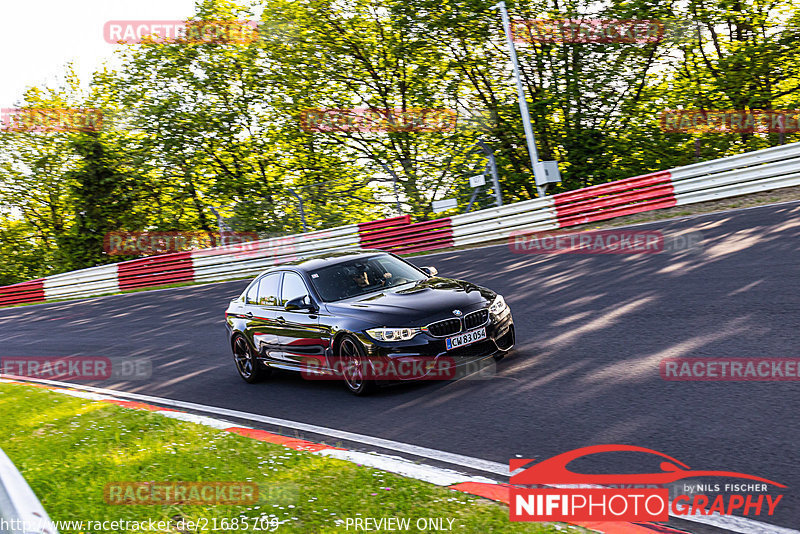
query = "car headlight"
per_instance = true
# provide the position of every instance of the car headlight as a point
(498, 305)
(393, 334)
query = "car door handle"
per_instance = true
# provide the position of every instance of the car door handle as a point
(280, 319)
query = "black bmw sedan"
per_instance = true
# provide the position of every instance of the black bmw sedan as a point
(365, 318)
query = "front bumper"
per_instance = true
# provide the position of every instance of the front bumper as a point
(500, 338)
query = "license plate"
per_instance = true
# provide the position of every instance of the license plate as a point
(466, 338)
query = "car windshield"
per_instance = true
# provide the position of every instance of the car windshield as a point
(362, 276)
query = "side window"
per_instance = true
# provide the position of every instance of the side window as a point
(268, 290)
(252, 293)
(293, 287)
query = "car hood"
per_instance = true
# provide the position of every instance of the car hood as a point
(416, 305)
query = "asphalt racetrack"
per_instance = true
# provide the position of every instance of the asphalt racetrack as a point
(591, 331)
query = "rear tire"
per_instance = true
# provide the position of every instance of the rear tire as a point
(248, 366)
(354, 362)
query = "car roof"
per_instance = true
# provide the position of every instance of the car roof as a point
(324, 260)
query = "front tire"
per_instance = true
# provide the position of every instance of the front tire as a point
(354, 362)
(246, 363)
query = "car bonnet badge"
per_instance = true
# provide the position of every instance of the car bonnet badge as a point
(457, 313)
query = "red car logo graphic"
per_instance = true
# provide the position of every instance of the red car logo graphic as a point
(554, 470)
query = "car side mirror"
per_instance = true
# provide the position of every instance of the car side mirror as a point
(430, 271)
(299, 303)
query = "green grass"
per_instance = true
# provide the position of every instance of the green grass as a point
(69, 449)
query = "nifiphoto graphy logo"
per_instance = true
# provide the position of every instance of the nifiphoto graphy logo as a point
(645, 496)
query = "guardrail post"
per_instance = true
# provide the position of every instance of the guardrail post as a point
(300, 206)
(493, 166)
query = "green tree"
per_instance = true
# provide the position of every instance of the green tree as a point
(102, 197)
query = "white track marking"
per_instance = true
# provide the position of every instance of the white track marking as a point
(401, 466)
(219, 424)
(86, 395)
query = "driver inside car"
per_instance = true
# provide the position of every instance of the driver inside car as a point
(362, 278)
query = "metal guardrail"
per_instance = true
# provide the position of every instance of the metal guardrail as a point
(499, 223)
(752, 172)
(20, 510)
(739, 161)
(614, 199)
(401, 236)
(31, 291)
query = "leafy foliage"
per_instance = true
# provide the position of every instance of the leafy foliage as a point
(192, 130)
